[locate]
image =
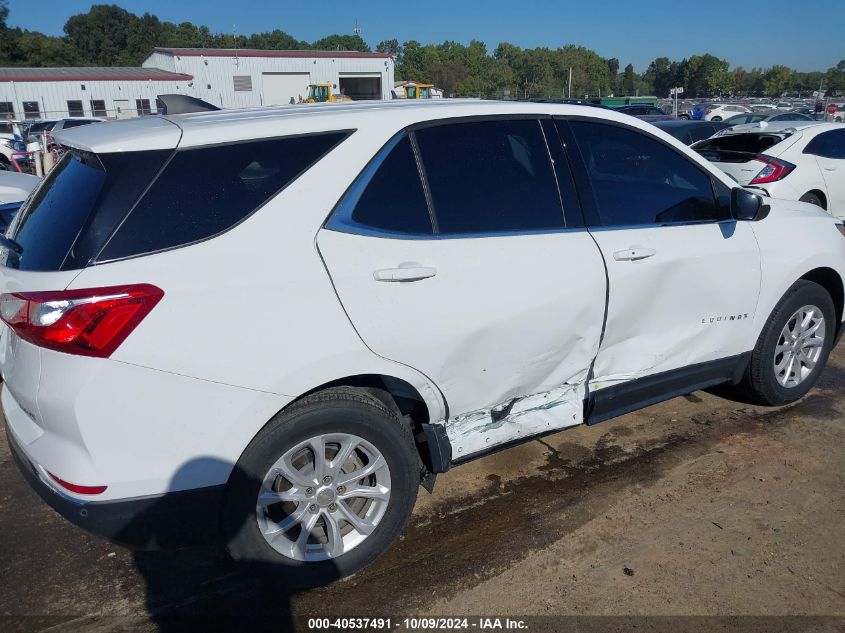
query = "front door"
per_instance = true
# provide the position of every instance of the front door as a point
(473, 280)
(683, 276)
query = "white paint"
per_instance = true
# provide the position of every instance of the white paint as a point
(658, 316)
(280, 88)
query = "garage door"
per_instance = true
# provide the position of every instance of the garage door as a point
(280, 88)
(361, 87)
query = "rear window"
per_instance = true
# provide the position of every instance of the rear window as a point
(69, 217)
(737, 147)
(205, 191)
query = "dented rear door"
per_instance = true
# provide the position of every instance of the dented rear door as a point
(473, 277)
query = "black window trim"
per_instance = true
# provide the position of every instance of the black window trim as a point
(346, 133)
(340, 218)
(585, 188)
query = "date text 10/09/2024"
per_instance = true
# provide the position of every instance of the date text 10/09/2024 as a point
(417, 624)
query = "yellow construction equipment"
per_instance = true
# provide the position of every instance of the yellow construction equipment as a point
(420, 91)
(323, 93)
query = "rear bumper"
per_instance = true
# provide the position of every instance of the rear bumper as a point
(174, 519)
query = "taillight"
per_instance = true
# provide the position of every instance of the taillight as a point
(80, 490)
(774, 170)
(90, 322)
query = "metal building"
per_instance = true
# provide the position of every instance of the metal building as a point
(234, 78)
(229, 78)
(44, 93)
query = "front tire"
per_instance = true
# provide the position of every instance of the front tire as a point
(323, 490)
(716, 118)
(793, 347)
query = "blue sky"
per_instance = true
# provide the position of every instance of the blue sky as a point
(804, 35)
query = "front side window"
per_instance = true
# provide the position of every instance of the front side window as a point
(637, 180)
(205, 191)
(31, 110)
(490, 176)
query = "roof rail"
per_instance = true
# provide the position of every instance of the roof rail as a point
(182, 104)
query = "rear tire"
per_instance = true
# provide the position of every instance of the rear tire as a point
(301, 536)
(793, 347)
(716, 118)
(812, 198)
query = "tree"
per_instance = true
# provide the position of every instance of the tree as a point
(342, 43)
(391, 47)
(777, 80)
(628, 80)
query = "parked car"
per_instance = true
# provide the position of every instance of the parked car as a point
(275, 325)
(793, 161)
(769, 117)
(15, 187)
(689, 132)
(645, 112)
(720, 111)
(697, 113)
(49, 126)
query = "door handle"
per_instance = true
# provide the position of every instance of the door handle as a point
(410, 271)
(633, 253)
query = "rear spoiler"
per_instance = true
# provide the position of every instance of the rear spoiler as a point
(182, 104)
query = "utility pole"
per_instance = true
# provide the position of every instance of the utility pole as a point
(570, 82)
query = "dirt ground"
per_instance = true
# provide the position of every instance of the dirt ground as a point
(697, 506)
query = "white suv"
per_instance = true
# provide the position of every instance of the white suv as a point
(271, 326)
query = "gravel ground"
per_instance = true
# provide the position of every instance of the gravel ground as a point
(700, 506)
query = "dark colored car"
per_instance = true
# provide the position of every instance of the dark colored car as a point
(689, 132)
(645, 112)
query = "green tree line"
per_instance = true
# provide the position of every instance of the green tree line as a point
(108, 35)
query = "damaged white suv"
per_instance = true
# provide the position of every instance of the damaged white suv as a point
(271, 326)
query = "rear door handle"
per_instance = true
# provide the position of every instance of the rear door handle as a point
(405, 272)
(634, 253)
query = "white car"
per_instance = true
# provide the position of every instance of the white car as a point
(791, 160)
(15, 187)
(719, 111)
(271, 326)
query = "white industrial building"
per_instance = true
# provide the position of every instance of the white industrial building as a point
(229, 78)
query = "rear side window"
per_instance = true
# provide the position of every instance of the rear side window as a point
(828, 145)
(490, 177)
(637, 180)
(205, 191)
(394, 200)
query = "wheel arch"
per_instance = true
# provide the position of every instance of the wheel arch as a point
(822, 197)
(831, 281)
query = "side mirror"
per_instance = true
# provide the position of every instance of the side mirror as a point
(747, 206)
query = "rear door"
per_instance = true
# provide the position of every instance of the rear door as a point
(452, 254)
(683, 276)
(828, 149)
